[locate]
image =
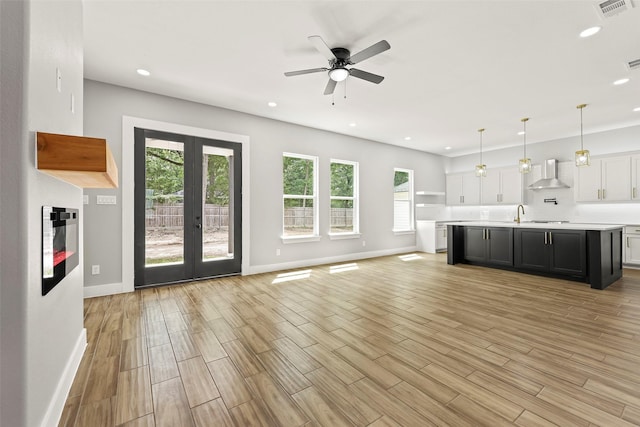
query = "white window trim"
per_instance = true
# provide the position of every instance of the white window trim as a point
(299, 239)
(344, 236)
(356, 201)
(412, 222)
(316, 190)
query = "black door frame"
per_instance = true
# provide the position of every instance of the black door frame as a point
(193, 267)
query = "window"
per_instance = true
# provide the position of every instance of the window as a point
(344, 197)
(403, 200)
(300, 189)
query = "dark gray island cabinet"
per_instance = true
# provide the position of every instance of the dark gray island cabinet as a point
(590, 253)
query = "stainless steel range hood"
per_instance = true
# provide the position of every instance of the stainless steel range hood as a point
(549, 177)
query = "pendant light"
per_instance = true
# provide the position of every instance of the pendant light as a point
(524, 166)
(481, 169)
(583, 157)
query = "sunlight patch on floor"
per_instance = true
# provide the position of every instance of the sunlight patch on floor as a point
(343, 267)
(294, 275)
(409, 257)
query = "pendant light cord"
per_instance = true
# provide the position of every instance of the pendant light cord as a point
(581, 107)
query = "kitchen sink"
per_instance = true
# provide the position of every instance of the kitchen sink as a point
(539, 221)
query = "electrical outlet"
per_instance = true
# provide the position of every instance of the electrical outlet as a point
(95, 269)
(278, 252)
(364, 243)
(58, 80)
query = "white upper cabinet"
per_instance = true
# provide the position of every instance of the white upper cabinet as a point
(502, 187)
(635, 177)
(462, 189)
(608, 179)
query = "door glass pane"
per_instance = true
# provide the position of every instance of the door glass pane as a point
(217, 203)
(164, 202)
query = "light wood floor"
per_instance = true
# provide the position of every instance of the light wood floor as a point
(409, 342)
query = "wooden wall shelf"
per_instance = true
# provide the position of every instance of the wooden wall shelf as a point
(79, 160)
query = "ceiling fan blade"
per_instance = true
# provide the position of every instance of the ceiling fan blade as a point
(373, 78)
(322, 47)
(372, 50)
(331, 86)
(309, 71)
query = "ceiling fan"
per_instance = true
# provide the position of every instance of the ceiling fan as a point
(339, 58)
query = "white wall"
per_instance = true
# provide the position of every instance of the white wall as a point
(105, 105)
(602, 143)
(43, 336)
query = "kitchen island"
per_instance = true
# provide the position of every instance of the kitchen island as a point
(590, 253)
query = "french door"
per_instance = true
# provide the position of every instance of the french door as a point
(188, 205)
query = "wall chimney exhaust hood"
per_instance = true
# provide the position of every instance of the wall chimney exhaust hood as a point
(549, 177)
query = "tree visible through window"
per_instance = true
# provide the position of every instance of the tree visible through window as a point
(344, 202)
(403, 200)
(299, 181)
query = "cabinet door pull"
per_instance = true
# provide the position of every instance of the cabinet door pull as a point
(628, 242)
(545, 237)
(550, 238)
(604, 194)
(484, 234)
(635, 192)
(599, 194)
(497, 197)
(488, 234)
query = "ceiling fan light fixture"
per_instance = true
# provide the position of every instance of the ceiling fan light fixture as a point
(338, 74)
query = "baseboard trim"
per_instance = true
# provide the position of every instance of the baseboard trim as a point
(102, 290)
(56, 406)
(269, 268)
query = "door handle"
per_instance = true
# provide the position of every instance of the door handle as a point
(198, 226)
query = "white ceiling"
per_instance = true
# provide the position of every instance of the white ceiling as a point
(453, 66)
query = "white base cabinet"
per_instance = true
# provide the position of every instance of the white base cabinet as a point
(431, 236)
(631, 245)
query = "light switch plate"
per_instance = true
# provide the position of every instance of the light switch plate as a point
(105, 200)
(85, 199)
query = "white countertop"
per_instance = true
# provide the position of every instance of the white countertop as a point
(556, 226)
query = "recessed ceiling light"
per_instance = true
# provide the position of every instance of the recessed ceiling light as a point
(590, 31)
(637, 109)
(143, 72)
(621, 81)
(272, 104)
(407, 138)
(447, 148)
(352, 125)
(521, 132)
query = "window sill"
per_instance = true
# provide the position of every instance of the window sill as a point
(403, 232)
(342, 236)
(302, 239)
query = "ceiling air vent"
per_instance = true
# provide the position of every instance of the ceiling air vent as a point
(610, 8)
(634, 65)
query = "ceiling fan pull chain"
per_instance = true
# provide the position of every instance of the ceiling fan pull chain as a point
(333, 99)
(345, 88)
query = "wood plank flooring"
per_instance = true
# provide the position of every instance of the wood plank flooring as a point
(392, 341)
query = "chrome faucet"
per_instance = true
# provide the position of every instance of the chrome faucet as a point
(517, 218)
